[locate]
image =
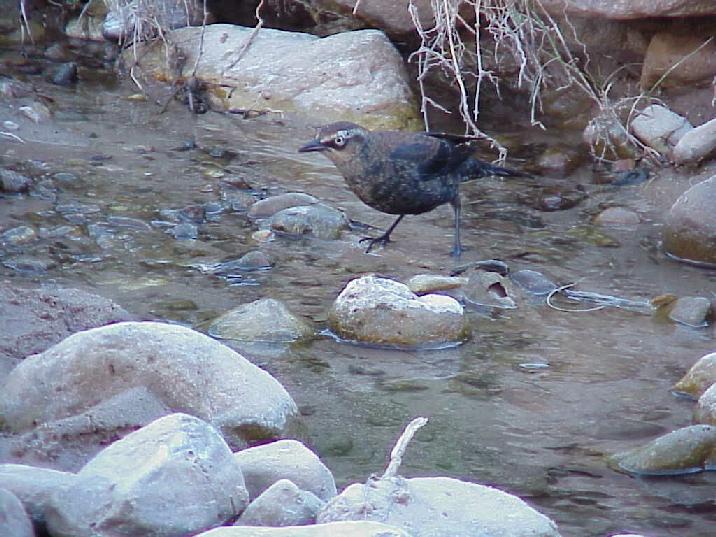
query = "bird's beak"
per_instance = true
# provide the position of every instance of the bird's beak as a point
(313, 145)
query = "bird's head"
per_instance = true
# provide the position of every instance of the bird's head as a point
(339, 140)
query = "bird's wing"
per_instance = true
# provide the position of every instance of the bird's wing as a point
(431, 156)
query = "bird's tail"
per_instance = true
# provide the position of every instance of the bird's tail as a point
(474, 169)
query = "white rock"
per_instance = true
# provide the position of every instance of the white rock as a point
(176, 476)
(282, 504)
(660, 128)
(14, 521)
(85, 27)
(265, 319)
(361, 528)
(184, 369)
(696, 144)
(439, 507)
(33, 486)
(706, 408)
(263, 465)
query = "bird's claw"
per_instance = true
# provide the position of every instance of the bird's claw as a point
(382, 241)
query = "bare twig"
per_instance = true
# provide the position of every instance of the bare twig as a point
(25, 27)
(355, 7)
(396, 455)
(13, 136)
(250, 38)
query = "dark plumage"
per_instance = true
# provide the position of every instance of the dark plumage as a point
(402, 172)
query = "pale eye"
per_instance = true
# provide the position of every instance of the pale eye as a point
(339, 140)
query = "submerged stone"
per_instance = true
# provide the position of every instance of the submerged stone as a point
(699, 378)
(262, 320)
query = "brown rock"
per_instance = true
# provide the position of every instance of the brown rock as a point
(667, 49)
(690, 228)
(632, 9)
(698, 379)
(391, 16)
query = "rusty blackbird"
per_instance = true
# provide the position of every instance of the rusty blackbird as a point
(402, 172)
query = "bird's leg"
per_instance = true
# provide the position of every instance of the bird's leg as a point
(383, 239)
(456, 207)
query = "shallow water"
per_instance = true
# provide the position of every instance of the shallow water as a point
(539, 432)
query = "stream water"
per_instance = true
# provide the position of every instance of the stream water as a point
(531, 404)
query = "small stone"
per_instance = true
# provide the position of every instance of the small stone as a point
(533, 282)
(270, 206)
(429, 283)
(262, 320)
(65, 178)
(689, 232)
(18, 235)
(254, 260)
(12, 181)
(185, 231)
(617, 216)
(27, 264)
(65, 74)
(660, 128)
(37, 112)
(691, 311)
(282, 504)
(10, 125)
(263, 235)
(318, 220)
(699, 378)
(490, 289)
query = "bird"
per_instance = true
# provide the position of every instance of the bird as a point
(402, 173)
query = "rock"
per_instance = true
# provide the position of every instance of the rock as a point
(559, 161)
(690, 227)
(185, 231)
(382, 311)
(254, 260)
(37, 112)
(13, 518)
(391, 16)
(351, 76)
(12, 88)
(268, 207)
(361, 528)
(533, 282)
(429, 283)
(265, 319)
(489, 289)
(282, 504)
(660, 128)
(264, 465)
(18, 235)
(31, 320)
(706, 410)
(683, 451)
(617, 216)
(11, 181)
(87, 27)
(691, 311)
(699, 378)
(318, 220)
(120, 22)
(176, 476)
(437, 507)
(183, 369)
(679, 46)
(696, 145)
(33, 486)
(634, 9)
(606, 135)
(64, 74)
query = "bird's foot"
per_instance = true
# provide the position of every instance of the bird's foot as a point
(456, 251)
(382, 241)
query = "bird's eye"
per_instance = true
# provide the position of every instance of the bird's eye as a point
(339, 141)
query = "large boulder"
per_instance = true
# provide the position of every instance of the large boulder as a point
(439, 507)
(174, 477)
(677, 59)
(362, 528)
(386, 312)
(690, 228)
(14, 521)
(183, 369)
(33, 486)
(264, 465)
(632, 9)
(353, 76)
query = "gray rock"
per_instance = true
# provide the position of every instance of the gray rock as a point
(269, 206)
(617, 216)
(706, 410)
(18, 235)
(29, 264)
(430, 283)
(634, 9)
(37, 112)
(176, 476)
(533, 282)
(282, 504)
(265, 319)
(263, 465)
(33, 486)
(14, 521)
(122, 18)
(363, 528)
(318, 220)
(185, 231)
(690, 228)
(700, 377)
(64, 74)
(439, 507)
(490, 289)
(254, 260)
(696, 145)
(183, 369)
(382, 311)
(85, 27)
(353, 76)
(691, 311)
(660, 128)
(12, 181)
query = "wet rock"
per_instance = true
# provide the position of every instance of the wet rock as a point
(706, 410)
(436, 507)
(268, 207)
(263, 235)
(696, 145)
(12, 88)
(675, 51)
(422, 284)
(18, 235)
(66, 178)
(617, 216)
(382, 311)
(282, 504)
(128, 222)
(87, 27)
(13, 518)
(183, 369)
(352, 76)
(33, 486)
(361, 528)
(691, 311)
(690, 227)
(120, 22)
(185, 231)
(58, 52)
(264, 465)
(31, 320)
(12, 181)
(37, 112)
(490, 289)
(606, 135)
(318, 220)
(28, 264)
(533, 282)
(554, 197)
(660, 128)
(176, 476)
(254, 260)
(699, 378)
(262, 320)
(634, 9)
(64, 74)
(558, 161)
(683, 451)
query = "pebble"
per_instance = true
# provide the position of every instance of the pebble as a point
(18, 235)
(185, 231)
(65, 74)
(12, 181)
(617, 216)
